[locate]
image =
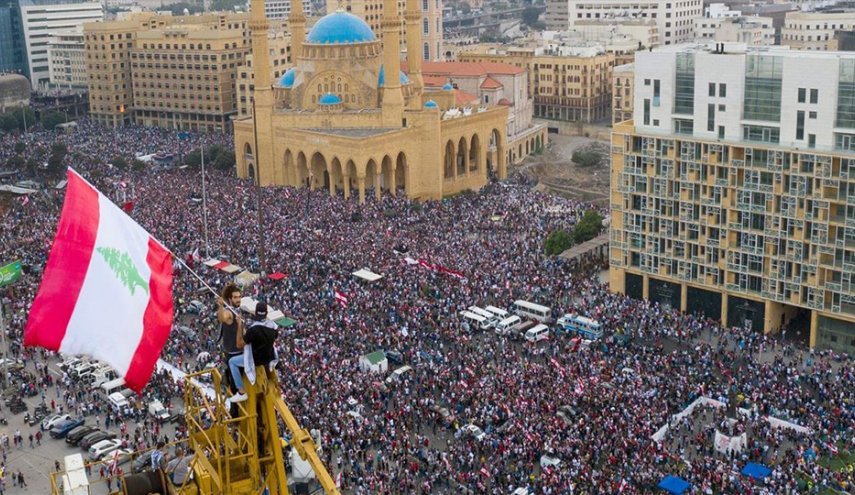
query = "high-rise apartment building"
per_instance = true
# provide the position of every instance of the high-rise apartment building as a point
(13, 54)
(176, 72)
(566, 82)
(67, 59)
(623, 79)
(40, 19)
(675, 19)
(733, 188)
(279, 9)
(814, 30)
(372, 12)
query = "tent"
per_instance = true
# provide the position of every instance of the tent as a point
(756, 471)
(20, 191)
(674, 485)
(245, 278)
(286, 322)
(212, 263)
(230, 269)
(366, 274)
(221, 265)
(374, 362)
(276, 276)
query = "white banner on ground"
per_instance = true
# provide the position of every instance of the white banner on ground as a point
(726, 444)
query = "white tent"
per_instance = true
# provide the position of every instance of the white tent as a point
(247, 304)
(367, 274)
(212, 262)
(232, 269)
(245, 278)
(374, 362)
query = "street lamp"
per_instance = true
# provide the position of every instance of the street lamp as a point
(261, 255)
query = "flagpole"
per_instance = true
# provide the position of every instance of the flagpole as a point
(3, 330)
(200, 279)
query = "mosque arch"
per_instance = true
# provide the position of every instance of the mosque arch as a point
(387, 175)
(449, 160)
(350, 175)
(475, 153)
(537, 144)
(302, 171)
(462, 155)
(336, 175)
(371, 175)
(401, 173)
(318, 171)
(288, 171)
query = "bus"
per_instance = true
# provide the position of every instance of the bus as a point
(500, 313)
(583, 326)
(475, 319)
(531, 310)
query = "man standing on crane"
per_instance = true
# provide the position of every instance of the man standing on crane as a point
(261, 334)
(231, 325)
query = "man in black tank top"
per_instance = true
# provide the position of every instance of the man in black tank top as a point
(230, 325)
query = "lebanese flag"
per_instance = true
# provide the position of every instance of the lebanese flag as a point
(341, 299)
(580, 386)
(107, 288)
(484, 472)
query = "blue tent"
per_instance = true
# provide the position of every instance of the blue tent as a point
(674, 485)
(756, 471)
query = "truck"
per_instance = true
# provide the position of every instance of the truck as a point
(156, 410)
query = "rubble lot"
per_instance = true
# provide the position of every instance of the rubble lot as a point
(555, 171)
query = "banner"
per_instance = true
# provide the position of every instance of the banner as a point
(726, 444)
(10, 273)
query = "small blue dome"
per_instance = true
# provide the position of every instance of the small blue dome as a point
(329, 99)
(287, 79)
(447, 87)
(340, 28)
(431, 104)
(382, 78)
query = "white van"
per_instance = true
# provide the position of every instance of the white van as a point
(473, 319)
(113, 386)
(504, 327)
(398, 375)
(156, 409)
(117, 401)
(499, 312)
(490, 319)
(538, 333)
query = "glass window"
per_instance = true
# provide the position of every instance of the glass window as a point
(711, 117)
(814, 95)
(802, 95)
(763, 88)
(722, 90)
(846, 94)
(761, 134)
(684, 90)
(711, 89)
(647, 111)
(800, 125)
(811, 140)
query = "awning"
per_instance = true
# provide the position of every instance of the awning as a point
(276, 276)
(286, 322)
(213, 262)
(61, 184)
(246, 277)
(674, 485)
(368, 275)
(231, 269)
(274, 314)
(17, 190)
(221, 265)
(756, 471)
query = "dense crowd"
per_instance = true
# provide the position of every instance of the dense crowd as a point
(396, 443)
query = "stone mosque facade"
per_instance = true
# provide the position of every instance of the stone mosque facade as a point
(347, 119)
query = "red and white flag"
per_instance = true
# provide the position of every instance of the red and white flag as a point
(107, 288)
(341, 299)
(115, 462)
(484, 472)
(25, 199)
(580, 386)
(557, 366)
(622, 486)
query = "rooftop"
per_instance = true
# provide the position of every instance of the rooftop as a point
(743, 49)
(471, 69)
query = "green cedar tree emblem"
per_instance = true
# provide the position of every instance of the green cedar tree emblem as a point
(123, 266)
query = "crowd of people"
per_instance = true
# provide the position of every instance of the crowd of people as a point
(390, 439)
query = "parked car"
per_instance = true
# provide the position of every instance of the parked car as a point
(548, 461)
(74, 436)
(395, 357)
(60, 429)
(95, 437)
(102, 448)
(119, 456)
(53, 419)
(473, 431)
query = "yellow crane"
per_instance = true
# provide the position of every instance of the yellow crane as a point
(240, 454)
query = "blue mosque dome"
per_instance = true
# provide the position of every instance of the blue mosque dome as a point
(329, 99)
(340, 28)
(287, 79)
(382, 78)
(430, 104)
(447, 87)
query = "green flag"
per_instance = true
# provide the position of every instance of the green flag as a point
(10, 273)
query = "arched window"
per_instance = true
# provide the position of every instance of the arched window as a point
(425, 26)
(426, 52)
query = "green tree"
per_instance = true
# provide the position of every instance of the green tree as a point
(530, 15)
(193, 159)
(137, 165)
(26, 116)
(586, 158)
(557, 242)
(588, 227)
(16, 162)
(8, 123)
(225, 161)
(20, 147)
(119, 162)
(57, 156)
(178, 8)
(52, 119)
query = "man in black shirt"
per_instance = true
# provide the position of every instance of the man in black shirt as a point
(231, 325)
(261, 334)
